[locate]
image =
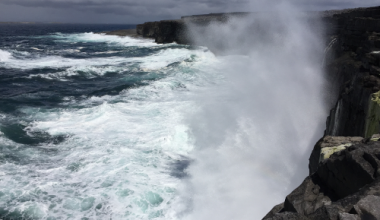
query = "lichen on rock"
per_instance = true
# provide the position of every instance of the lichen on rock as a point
(372, 125)
(328, 151)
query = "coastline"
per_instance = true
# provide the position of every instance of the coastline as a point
(122, 33)
(344, 166)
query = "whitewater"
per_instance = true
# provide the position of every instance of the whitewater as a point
(105, 127)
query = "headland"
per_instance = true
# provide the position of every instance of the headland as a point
(344, 166)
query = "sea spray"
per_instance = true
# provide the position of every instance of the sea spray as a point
(155, 131)
(88, 134)
(255, 130)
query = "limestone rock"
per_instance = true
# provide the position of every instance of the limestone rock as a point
(328, 212)
(347, 171)
(368, 207)
(307, 198)
(166, 31)
(355, 73)
(327, 146)
(347, 216)
(344, 186)
(278, 208)
(372, 123)
(287, 216)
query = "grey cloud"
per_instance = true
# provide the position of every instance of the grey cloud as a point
(147, 10)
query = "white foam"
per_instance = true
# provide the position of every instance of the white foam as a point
(120, 154)
(85, 71)
(106, 52)
(124, 41)
(94, 67)
(35, 48)
(60, 62)
(163, 58)
(5, 55)
(91, 67)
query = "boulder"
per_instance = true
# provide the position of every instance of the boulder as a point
(278, 208)
(328, 145)
(328, 212)
(347, 171)
(368, 207)
(345, 186)
(307, 198)
(347, 216)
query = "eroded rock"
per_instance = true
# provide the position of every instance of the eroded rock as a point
(368, 207)
(287, 216)
(307, 198)
(347, 216)
(328, 145)
(344, 186)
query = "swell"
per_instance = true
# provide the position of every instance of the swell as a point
(84, 136)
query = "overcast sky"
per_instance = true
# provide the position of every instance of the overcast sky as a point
(138, 11)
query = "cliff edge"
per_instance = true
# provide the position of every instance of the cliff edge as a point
(344, 166)
(344, 171)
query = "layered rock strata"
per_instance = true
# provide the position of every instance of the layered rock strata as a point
(169, 31)
(354, 71)
(166, 31)
(343, 181)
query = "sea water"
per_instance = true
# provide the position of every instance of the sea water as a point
(106, 127)
(92, 125)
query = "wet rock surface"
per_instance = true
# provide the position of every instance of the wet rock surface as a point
(344, 186)
(327, 146)
(353, 71)
(344, 166)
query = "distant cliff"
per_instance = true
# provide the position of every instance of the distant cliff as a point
(344, 167)
(168, 31)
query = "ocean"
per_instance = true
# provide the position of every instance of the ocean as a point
(106, 127)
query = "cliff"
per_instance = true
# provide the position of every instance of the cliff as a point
(344, 166)
(169, 31)
(344, 171)
(354, 71)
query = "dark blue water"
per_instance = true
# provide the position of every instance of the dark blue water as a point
(85, 122)
(107, 127)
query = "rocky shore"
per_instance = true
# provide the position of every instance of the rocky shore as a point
(344, 171)
(344, 166)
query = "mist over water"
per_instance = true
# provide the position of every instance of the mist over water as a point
(255, 130)
(100, 127)
(91, 126)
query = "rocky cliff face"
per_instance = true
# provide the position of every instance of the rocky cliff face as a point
(344, 167)
(166, 31)
(344, 171)
(344, 182)
(169, 31)
(354, 71)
